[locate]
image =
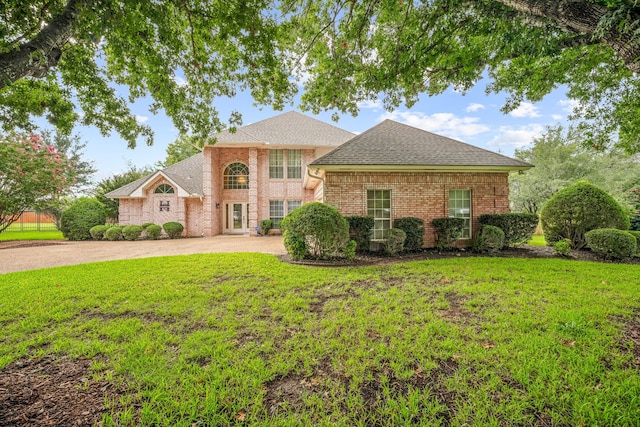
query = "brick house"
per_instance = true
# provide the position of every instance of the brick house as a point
(267, 169)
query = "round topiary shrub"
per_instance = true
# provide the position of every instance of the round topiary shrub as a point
(414, 229)
(114, 233)
(173, 229)
(146, 224)
(265, 226)
(97, 231)
(636, 234)
(153, 231)
(577, 209)
(324, 231)
(80, 217)
(611, 243)
(295, 245)
(395, 241)
(490, 240)
(132, 232)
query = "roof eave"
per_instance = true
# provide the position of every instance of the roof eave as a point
(418, 168)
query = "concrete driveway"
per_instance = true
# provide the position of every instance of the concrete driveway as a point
(26, 255)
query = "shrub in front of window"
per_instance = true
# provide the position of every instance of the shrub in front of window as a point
(323, 228)
(489, 241)
(562, 247)
(447, 230)
(97, 231)
(153, 231)
(518, 227)
(414, 229)
(132, 232)
(577, 209)
(360, 231)
(80, 217)
(173, 229)
(265, 226)
(114, 233)
(394, 244)
(611, 243)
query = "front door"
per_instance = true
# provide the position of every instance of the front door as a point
(236, 218)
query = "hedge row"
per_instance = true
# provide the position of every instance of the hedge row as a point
(147, 230)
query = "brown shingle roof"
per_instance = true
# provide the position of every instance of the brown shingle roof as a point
(288, 129)
(395, 144)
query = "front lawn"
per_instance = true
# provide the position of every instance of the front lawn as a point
(233, 339)
(31, 235)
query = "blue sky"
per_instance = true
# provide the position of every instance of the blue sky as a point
(474, 118)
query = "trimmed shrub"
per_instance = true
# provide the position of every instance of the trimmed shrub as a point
(146, 224)
(636, 234)
(518, 227)
(611, 243)
(577, 209)
(447, 230)
(173, 229)
(562, 247)
(635, 223)
(80, 217)
(323, 228)
(395, 241)
(132, 232)
(153, 231)
(360, 231)
(414, 229)
(295, 245)
(97, 231)
(114, 233)
(490, 240)
(349, 250)
(265, 226)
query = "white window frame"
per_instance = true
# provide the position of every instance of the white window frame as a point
(379, 205)
(294, 164)
(276, 164)
(460, 207)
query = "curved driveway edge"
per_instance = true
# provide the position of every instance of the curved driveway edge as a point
(23, 256)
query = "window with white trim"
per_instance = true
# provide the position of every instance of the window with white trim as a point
(460, 207)
(276, 212)
(292, 205)
(164, 189)
(379, 207)
(276, 164)
(294, 164)
(236, 177)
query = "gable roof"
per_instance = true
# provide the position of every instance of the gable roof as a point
(392, 144)
(186, 175)
(287, 129)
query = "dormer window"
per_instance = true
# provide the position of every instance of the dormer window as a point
(164, 189)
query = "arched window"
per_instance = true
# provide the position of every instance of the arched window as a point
(164, 189)
(236, 177)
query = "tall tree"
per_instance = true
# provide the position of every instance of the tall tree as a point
(560, 160)
(343, 52)
(182, 148)
(32, 173)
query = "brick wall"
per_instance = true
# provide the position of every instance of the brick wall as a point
(419, 194)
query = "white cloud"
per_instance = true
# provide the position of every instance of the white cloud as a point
(179, 81)
(141, 119)
(526, 109)
(557, 116)
(568, 105)
(447, 124)
(519, 137)
(474, 106)
(371, 105)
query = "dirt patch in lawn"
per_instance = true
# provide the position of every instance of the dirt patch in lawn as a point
(49, 391)
(630, 340)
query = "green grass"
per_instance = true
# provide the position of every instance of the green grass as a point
(208, 339)
(538, 240)
(31, 235)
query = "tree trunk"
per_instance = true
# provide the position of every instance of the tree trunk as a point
(583, 17)
(37, 56)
